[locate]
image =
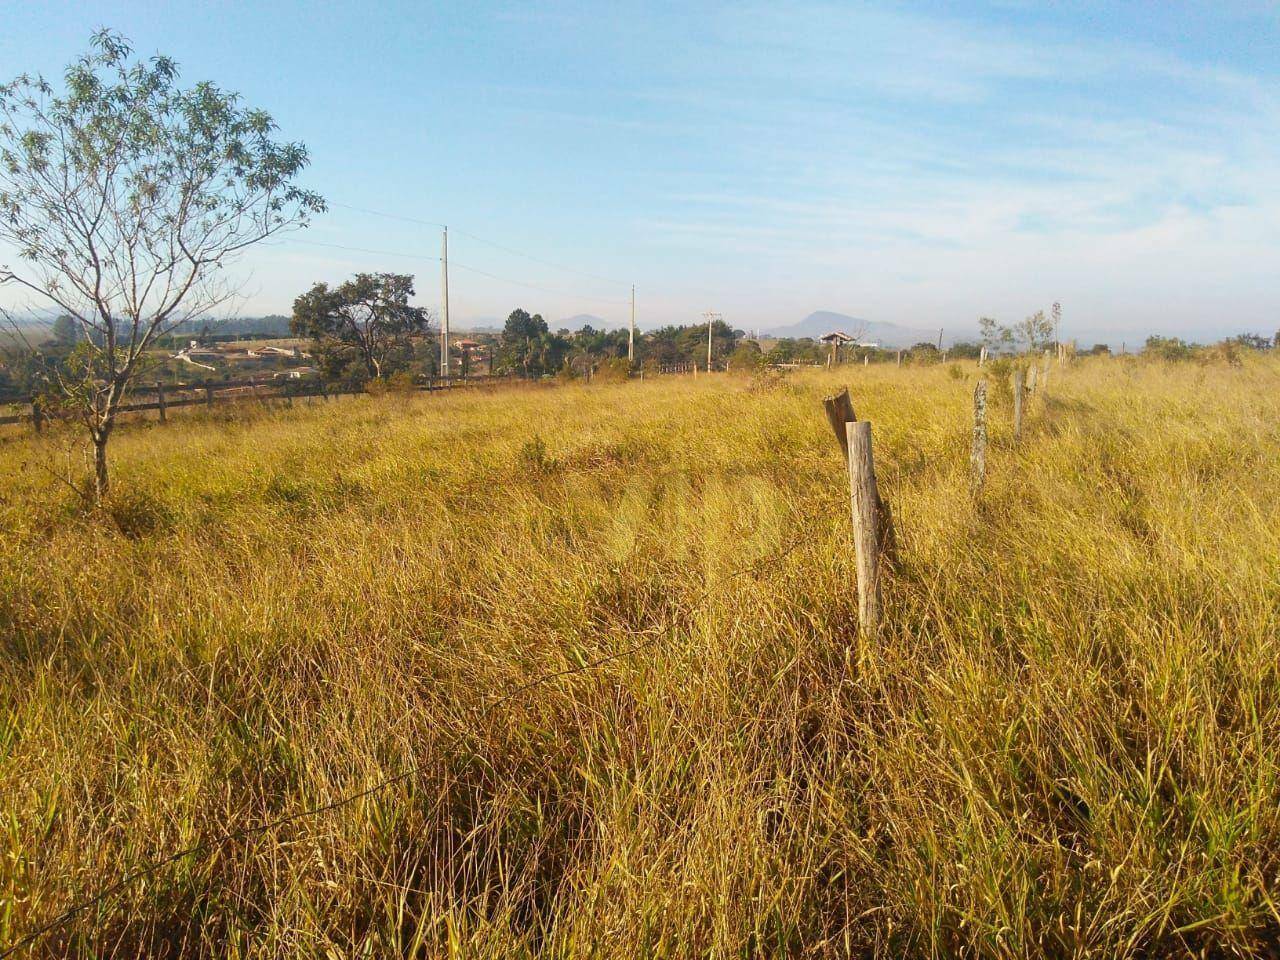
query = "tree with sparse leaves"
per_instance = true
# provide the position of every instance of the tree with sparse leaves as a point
(126, 196)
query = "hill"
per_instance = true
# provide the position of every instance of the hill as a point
(885, 334)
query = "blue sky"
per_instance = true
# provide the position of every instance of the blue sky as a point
(913, 163)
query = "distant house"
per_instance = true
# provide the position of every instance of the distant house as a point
(836, 339)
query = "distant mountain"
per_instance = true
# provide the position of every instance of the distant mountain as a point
(885, 334)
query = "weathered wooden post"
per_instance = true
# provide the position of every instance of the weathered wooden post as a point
(160, 405)
(899, 358)
(866, 359)
(840, 413)
(1031, 378)
(874, 539)
(866, 526)
(982, 357)
(1017, 405)
(37, 414)
(978, 455)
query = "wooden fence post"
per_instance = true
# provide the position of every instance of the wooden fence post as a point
(1031, 378)
(1044, 377)
(982, 357)
(160, 401)
(978, 455)
(1017, 405)
(866, 526)
(37, 415)
(840, 413)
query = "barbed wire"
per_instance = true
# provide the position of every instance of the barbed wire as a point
(216, 843)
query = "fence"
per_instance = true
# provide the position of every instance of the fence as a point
(166, 396)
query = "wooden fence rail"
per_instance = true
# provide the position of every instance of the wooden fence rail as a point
(170, 395)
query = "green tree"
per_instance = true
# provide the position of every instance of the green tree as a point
(126, 197)
(1035, 332)
(528, 347)
(367, 319)
(67, 332)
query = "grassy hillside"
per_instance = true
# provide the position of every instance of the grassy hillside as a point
(1065, 742)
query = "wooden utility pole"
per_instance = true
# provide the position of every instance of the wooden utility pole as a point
(444, 303)
(631, 334)
(1017, 405)
(866, 526)
(978, 455)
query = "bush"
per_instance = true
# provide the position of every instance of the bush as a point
(613, 370)
(1171, 349)
(746, 357)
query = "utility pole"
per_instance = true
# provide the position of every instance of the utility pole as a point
(631, 335)
(711, 319)
(444, 304)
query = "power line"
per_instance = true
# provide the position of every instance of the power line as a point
(340, 246)
(534, 286)
(480, 239)
(435, 258)
(218, 842)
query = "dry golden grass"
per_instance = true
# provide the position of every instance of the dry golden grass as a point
(1065, 743)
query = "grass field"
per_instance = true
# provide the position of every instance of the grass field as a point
(1066, 742)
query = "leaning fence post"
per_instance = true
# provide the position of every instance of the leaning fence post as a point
(978, 455)
(866, 526)
(160, 401)
(1017, 405)
(839, 410)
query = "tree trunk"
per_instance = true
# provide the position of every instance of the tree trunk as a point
(100, 484)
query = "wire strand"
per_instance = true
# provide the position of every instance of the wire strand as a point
(480, 239)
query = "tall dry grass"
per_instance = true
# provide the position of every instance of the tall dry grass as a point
(1065, 743)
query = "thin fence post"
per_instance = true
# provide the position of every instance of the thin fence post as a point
(866, 526)
(982, 357)
(1017, 405)
(1031, 378)
(208, 396)
(37, 415)
(978, 455)
(160, 406)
